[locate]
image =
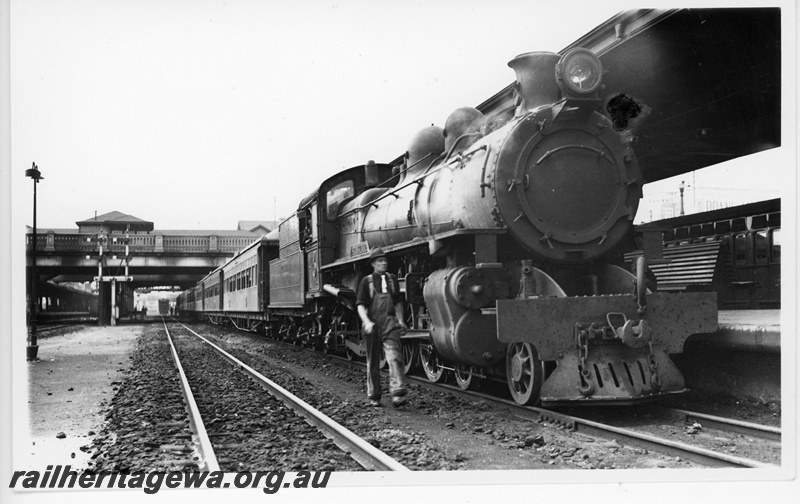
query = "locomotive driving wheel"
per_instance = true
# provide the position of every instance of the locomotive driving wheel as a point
(410, 352)
(524, 373)
(464, 377)
(431, 363)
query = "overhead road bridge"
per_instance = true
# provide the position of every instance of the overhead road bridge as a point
(122, 253)
(163, 258)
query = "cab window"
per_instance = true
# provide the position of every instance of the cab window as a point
(336, 196)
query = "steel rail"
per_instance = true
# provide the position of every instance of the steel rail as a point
(60, 324)
(696, 454)
(628, 436)
(364, 453)
(206, 450)
(721, 423)
(633, 438)
(41, 329)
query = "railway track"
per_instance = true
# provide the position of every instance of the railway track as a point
(638, 436)
(366, 455)
(633, 436)
(207, 457)
(630, 436)
(724, 424)
(50, 327)
(723, 437)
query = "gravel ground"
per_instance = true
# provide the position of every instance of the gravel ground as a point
(148, 426)
(646, 420)
(745, 409)
(448, 432)
(69, 389)
(434, 431)
(249, 428)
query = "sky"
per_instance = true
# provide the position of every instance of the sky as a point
(197, 114)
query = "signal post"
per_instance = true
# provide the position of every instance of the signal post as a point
(107, 304)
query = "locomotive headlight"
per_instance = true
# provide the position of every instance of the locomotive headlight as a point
(579, 72)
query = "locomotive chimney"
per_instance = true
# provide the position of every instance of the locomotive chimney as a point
(536, 79)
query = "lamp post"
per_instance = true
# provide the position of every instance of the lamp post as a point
(33, 343)
(681, 188)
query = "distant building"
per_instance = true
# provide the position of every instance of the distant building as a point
(258, 227)
(667, 204)
(114, 222)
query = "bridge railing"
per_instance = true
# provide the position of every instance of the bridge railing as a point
(87, 243)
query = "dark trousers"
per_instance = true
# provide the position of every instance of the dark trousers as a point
(386, 335)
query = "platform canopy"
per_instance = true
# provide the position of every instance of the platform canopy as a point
(711, 78)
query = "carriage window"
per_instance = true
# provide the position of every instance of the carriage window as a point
(336, 196)
(776, 245)
(740, 249)
(761, 248)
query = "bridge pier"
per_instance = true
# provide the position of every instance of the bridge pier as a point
(108, 310)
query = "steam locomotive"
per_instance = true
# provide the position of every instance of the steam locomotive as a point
(508, 239)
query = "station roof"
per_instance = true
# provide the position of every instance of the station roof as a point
(117, 220)
(257, 226)
(207, 232)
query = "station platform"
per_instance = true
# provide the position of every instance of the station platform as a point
(742, 359)
(69, 387)
(744, 330)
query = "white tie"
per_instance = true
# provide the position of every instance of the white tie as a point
(384, 287)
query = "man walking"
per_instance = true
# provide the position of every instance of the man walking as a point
(380, 306)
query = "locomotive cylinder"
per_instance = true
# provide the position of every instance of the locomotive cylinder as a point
(460, 331)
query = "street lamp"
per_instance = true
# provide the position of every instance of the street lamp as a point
(33, 343)
(681, 188)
